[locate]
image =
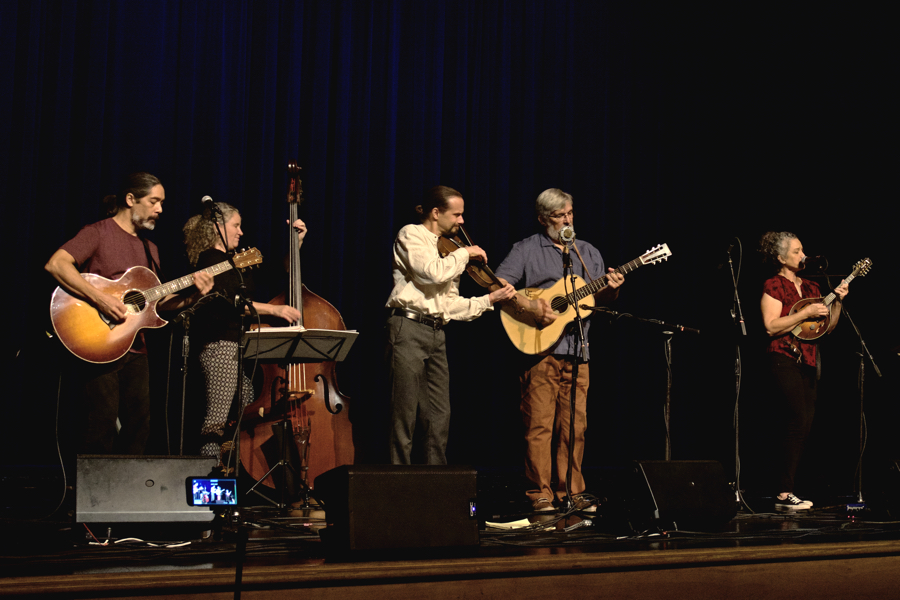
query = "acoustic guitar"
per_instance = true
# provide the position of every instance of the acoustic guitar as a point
(535, 340)
(816, 328)
(90, 335)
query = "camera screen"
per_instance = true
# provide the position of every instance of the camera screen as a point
(203, 491)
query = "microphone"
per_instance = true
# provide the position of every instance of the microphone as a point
(210, 207)
(567, 236)
(815, 263)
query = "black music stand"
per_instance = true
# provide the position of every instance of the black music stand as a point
(286, 346)
(289, 345)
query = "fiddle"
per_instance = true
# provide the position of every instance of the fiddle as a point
(477, 269)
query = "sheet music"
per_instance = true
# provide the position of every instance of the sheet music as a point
(295, 329)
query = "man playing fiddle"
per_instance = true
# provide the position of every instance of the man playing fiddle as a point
(424, 299)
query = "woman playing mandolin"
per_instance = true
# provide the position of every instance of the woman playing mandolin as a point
(216, 327)
(792, 360)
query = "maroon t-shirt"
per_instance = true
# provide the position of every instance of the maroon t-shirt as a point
(106, 249)
(786, 292)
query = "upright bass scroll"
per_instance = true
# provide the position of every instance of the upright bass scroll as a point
(294, 200)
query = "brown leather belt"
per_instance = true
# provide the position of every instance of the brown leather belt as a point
(432, 322)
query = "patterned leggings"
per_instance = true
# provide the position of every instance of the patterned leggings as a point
(219, 361)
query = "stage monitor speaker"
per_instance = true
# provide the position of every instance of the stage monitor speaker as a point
(881, 489)
(682, 493)
(138, 489)
(386, 507)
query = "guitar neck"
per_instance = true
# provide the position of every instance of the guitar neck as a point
(601, 282)
(176, 285)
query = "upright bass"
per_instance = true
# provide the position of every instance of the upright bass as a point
(305, 394)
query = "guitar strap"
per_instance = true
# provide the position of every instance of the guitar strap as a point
(154, 266)
(584, 266)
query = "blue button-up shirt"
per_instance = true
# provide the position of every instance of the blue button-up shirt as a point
(536, 262)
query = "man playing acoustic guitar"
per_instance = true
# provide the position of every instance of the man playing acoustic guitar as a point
(119, 389)
(536, 262)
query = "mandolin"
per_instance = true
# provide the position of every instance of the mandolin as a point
(816, 328)
(90, 335)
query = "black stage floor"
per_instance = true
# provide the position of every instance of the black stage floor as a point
(52, 546)
(55, 556)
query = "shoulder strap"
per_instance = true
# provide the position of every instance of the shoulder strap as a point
(154, 266)
(586, 270)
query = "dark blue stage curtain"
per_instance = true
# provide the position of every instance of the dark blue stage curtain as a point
(376, 100)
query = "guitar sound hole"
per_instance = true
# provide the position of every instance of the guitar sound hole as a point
(559, 304)
(135, 300)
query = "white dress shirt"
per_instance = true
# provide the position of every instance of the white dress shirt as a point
(429, 284)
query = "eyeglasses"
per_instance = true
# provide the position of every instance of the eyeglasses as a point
(569, 214)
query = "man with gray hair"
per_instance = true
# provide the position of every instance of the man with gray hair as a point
(547, 379)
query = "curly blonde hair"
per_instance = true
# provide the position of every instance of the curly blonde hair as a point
(200, 234)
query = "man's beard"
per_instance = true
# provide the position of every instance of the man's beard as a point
(147, 223)
(553, 232)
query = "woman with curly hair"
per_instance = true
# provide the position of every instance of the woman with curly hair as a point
(792, 361)
(216, 327)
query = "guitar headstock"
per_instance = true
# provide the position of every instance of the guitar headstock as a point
(247, 258)
(861, 268)
(656, 254)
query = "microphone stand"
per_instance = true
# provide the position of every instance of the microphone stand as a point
(736, 313)
(668, 330)
(738, 316)
(214, 214)
(185, 317)
(863, 353)
(861, 377)
(580, 355)
(241, 301)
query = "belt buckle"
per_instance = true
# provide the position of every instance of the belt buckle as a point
(434, 322)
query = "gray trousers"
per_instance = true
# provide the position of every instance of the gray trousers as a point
(420, 390)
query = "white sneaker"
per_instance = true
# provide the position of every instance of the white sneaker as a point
(792, 502)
